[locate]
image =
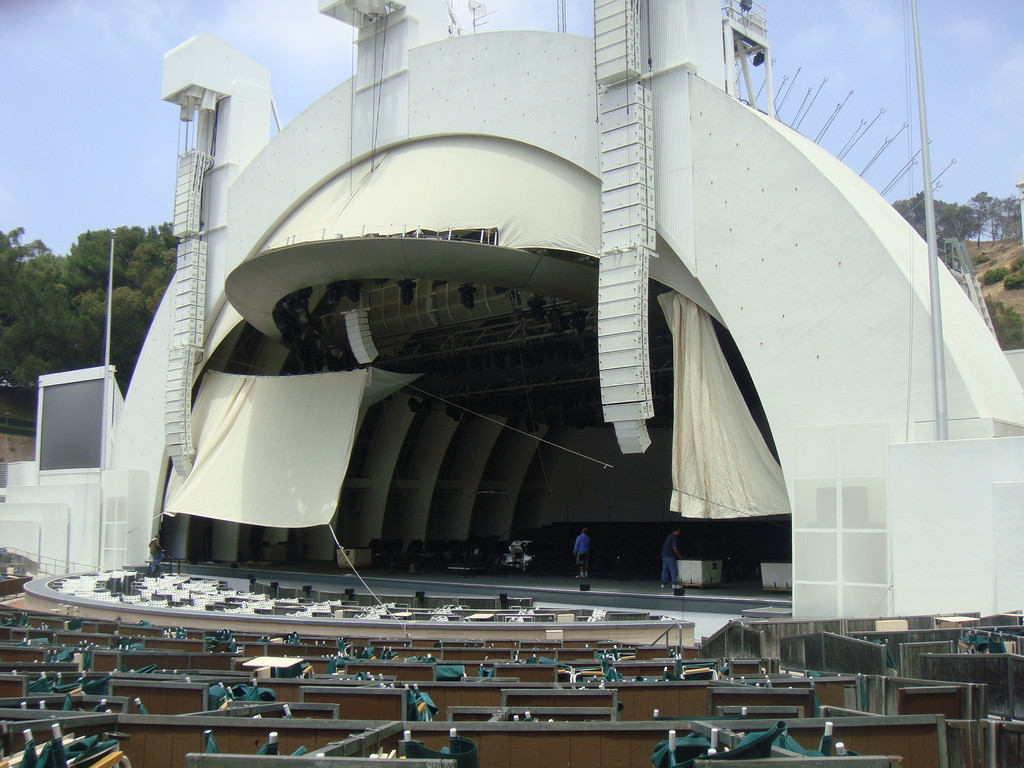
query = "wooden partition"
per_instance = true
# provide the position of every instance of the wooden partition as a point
(828, 652)
(919, 740)
(401, 670)
(13, 686)
(672, 699)
(1001, 673)
(366, 703)
(528, 673)
(486, 692)
(163, 742)
(22, 653)
(163, 698)
(749, 696)
(530, 698)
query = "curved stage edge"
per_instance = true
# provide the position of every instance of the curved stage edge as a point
(675, 627)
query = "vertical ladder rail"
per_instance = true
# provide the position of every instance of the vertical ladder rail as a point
(188, 310)
(970, 281)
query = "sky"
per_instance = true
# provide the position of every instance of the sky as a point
(87, 144)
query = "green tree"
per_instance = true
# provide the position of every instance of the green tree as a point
(951, 219)
(54, 307)
(955, 220)
(1006, 218)
(1008, 323)
(982, 205)
(913, 211)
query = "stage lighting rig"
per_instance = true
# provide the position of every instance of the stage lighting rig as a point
(467, 294)
(407, 291)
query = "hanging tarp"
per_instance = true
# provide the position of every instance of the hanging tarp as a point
(721, 467)
(271, 450)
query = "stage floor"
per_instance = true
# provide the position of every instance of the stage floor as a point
(708, 608)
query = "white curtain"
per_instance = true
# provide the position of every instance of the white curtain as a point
(271, 450)
(721, 466)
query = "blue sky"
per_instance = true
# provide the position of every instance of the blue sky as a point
(87, 143)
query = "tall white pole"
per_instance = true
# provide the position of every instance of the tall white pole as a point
(108, 406)
(110, 296)
(107, 409)
(938, 347)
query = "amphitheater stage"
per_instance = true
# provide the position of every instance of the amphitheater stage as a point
(709, 608)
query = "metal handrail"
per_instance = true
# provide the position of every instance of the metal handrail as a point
(41, 565)
(751, 18)
(481, 235)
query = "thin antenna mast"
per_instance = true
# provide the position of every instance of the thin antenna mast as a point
(859, 134)
(885, 145)
(480, 12)
(820, 86)
(560, 7)
(832, 117)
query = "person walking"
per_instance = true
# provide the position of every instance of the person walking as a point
(669, 554)
(582, 551)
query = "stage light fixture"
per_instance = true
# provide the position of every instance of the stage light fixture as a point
(536, 305)
(746, 5)
(467, 293)
(578, 321)
(333, 293)
(557, 321)
(759, 58)
(407, 291)
(354, 290)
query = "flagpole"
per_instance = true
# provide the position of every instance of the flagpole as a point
(108, 405)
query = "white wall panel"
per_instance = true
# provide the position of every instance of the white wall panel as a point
(955, 527)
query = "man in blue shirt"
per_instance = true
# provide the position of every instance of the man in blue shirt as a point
(669, 555)
(582, 551)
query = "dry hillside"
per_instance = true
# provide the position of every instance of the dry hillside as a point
(992, 255)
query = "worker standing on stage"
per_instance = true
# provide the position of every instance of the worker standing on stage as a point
(669, 555)
(582, 551)
(156, 556)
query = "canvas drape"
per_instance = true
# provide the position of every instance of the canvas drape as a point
(721, 466)
(271, 450)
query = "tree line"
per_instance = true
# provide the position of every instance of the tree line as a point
(983, 216)
(53, 307)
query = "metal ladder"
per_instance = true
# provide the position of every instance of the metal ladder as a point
(189, 309)
(960, 264)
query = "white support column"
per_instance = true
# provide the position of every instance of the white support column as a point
(476, 450)
(387, 446)
(500, 511)
(435, 438)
